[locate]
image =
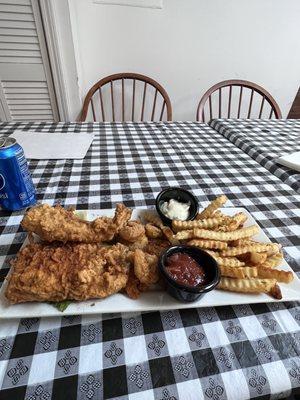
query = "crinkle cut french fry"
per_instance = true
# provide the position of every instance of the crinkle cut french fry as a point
(244, 257)
(272, 262)
(168, 233)
(226, 221)
(234, 223)
(226, 236)
(240, 218)
(223, 228)
(212, 207)
(217, 214)
(237, 220)
(279, 275)
(276, 292)
(202, 223)
(232, 272)
(228, 262)
(183, 235)
(255, 247)
(247, 285)
(238, 272)
(257, 258)
(250, 272)
(208, 244)
(274, 251)
(240, 242)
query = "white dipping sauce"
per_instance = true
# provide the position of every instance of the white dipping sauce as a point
(173, 209)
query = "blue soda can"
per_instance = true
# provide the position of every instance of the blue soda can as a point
(16, 186)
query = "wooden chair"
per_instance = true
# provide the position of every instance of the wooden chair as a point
(107, 105)
(295, 109)
(225, 111)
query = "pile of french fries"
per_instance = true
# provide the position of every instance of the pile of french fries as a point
(245, 265)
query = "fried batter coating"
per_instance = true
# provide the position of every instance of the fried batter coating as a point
(59, 224)
(122, 216)
(145, 267)
(134, 287)
(141, 243)
(55, 272)
(156, 246)
(132, 231)
(153, 232)
(153, 219)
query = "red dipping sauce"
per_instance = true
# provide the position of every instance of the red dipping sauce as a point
(185, 270)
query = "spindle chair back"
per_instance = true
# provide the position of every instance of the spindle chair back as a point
(127, 97)
(239, 104)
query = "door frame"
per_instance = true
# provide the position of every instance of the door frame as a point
(4, 111)
(46, 60)
(61, 61)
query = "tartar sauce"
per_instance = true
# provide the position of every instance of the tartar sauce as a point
(173, 209)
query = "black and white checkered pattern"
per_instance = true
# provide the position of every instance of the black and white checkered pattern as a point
(213, 353)
(265, 141)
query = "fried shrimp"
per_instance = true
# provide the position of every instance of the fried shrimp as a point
(145, 267)
(132, 231)
(153, 232)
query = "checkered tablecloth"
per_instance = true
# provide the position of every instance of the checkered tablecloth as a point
(265, 141)
(213, 353)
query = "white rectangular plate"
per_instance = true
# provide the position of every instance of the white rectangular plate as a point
(152, 300)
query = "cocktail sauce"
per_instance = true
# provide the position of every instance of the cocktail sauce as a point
(185, 270)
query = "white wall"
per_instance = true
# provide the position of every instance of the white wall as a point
(67, 64)
(191, 44)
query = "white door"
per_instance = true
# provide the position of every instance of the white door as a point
(26, 87)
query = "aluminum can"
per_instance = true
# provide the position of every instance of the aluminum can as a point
(16, 186)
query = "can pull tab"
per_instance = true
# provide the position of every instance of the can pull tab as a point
(3, 141)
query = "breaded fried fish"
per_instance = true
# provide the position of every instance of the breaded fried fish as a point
(59, 224)
(55, 272)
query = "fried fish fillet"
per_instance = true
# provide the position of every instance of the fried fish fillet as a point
(59, 224)
(55, 272)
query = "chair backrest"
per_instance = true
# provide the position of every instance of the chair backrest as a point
(146, 99)
(251, 99)
(294, 112)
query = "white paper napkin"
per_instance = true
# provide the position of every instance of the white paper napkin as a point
(53, 146)
(291, 160)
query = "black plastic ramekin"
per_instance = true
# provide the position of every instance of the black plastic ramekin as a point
(187, 293)
(181, 195)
